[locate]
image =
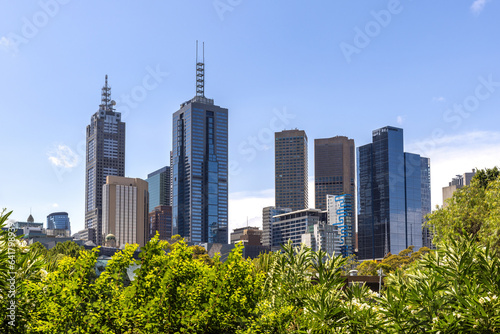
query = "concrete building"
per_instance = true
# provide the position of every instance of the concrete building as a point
(334, 168)
(247, 235)
(390, 189)
(159, 188)
(268, 219)
(125, 216)
(320, 236)
(200, 168)
(341, 217)
(291, 225)
(105, 156)
(160, 219)
(291, 172)
(456, 183)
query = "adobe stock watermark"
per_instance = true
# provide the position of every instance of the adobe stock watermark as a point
(65, 158)
(11, 274)
(151, 80)
(461, 111)
(223, 6)
(32, 25)
(249, 148)
(373, 28)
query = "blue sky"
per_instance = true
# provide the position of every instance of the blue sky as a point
(327, 67)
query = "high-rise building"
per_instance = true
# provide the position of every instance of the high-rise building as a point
(425, 177)
(390, 191)
(456, 183)
(290, 161)
(58, 221)
(268, 219)
(341, 217)
(159, 188)
(334, 168)
(200, 168)
(105, 156)
(125, 210)
(160, 219)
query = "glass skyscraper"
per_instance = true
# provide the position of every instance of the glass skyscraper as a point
(390, 190)
(200, 171)
(159, 188)
(105, 156)
(58, 221)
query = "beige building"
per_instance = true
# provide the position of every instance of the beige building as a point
(457, 183)
(125, 210)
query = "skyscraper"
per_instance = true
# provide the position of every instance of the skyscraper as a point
(105, 156)
(159, 188)
(124, 210)
(200, 168)
(290, 161)
(390, 189)
(334, 168)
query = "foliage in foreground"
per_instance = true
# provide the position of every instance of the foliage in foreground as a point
(452, 290)
(472, 211)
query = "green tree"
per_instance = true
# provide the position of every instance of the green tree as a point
(472, 211)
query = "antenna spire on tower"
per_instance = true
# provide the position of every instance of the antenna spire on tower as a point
(106, 95)
(200, 73)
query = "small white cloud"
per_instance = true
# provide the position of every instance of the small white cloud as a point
(63, 157)
(55, 205)
(438, 99)
(400, 120)
(478, 6)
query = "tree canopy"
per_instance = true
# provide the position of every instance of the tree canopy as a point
(472, 211)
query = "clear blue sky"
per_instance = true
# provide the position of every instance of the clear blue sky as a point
(336, 67)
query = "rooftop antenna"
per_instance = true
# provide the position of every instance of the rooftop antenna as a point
(106, 95)
(200, 73)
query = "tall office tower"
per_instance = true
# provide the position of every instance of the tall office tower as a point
(390, 196)
(268, 219)
(105, 156)
(456, 183)
(58, 221)
(334, 168)
(160, 219)
(425, 178)
(290, 163)
(341, 216)
(159, 188)
(200, 168)
(124, 210)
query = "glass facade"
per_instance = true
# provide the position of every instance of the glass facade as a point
(200, 171)
(341, 217)
(58, 221)
(159, 188)
(389, 196)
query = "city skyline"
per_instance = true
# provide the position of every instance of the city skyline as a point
(430, 69)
